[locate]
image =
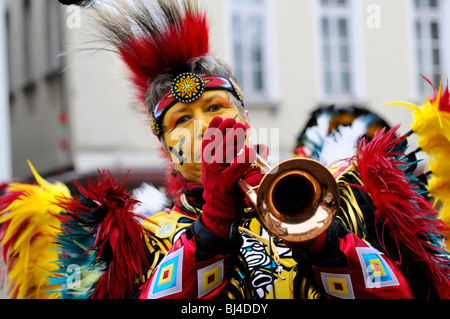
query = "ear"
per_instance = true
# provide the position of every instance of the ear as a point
(247, 120)
(163, 152)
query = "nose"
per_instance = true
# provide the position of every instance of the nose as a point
(203, 124)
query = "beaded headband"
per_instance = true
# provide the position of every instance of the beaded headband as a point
(187, 88)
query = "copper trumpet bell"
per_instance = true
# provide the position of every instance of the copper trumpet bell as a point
(297, 200)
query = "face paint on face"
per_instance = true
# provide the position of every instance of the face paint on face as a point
(178, 153)
(184, 125)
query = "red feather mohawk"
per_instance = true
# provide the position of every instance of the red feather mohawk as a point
(153, 37)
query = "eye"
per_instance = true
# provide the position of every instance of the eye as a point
(182, 120)
(215, 108)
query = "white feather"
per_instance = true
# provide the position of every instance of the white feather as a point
(151, 200)
(341, 145)
(127, 12)
(316, 134)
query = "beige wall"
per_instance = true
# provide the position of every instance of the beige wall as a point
(107, 129)
(388, 61)
(385, 61)
(36, 131)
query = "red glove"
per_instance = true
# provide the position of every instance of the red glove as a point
(254, 177)
(224, 200)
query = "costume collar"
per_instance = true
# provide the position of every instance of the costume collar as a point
(192, 198)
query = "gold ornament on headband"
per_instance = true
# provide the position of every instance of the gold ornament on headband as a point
(188, 87)
(155, 126)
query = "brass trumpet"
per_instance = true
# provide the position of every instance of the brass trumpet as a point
(297, 200)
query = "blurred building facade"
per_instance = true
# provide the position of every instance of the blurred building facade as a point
(76, 112)
(38, 103)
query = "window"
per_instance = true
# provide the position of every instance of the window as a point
(428, 33)
(337, 49)
(53, 36)
(9, 50)
(28, 42)
(250, 22)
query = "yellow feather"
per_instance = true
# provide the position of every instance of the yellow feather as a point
(55, 188)
(433, 129)
(445, 119)
(440, 165)
(439, 187)
(433, 144)
(408, 105)
(33, 224)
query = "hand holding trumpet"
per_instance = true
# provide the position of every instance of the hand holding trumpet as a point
(223, 165)
(296, 200)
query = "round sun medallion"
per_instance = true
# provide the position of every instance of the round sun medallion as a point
(188, 87)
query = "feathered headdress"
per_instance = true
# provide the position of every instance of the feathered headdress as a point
(153, 37)
(432, 125)
(157, 37)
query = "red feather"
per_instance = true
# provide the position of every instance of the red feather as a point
(6, 200)
(147, 56)
(408, 217)
(3, 187)
(444, 104)
(8, 197)
(118, 236)
(444, 101)
(174, 187)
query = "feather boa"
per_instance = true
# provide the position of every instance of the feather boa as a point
(100, 231)
(431, 122)
(410, 220)
(29, 223)
(78, 269)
